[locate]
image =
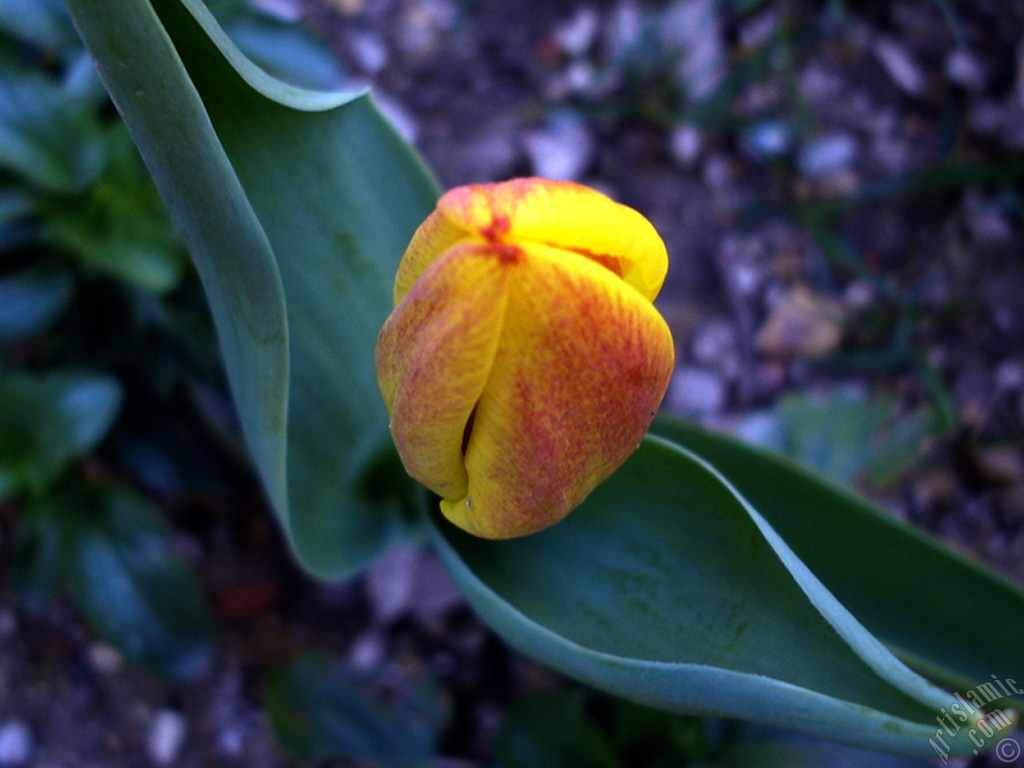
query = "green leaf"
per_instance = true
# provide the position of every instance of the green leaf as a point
(785, 750)
(31, 300)
(138, 594)
(550, 729)
(921, 598)
(318, 713)
(667, 588)
(119, 226)
(44, 23)
(46, 422)
(41, 552)
(296, 207)
(50, 139)
(844, 435)
(283, 50)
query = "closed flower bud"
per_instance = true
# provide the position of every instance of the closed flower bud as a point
(524, 360)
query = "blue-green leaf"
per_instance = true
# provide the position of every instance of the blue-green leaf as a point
(921, 598)
(48, 421)
(317, 712)
(668, 588)
(31, 300)
(50, 139)
(296, 207)
(138, 594)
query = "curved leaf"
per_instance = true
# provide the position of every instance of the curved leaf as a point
(668, 588)
(32, 299)
(923, 599)
(296, 207)
(317, 712)
(46, 422)
(138, 594)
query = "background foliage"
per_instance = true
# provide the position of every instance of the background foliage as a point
(109, 336)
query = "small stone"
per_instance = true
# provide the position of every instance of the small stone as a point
(718, 172)
(16, 743)
(985, 221)
(436, 593)
(623, 29)
(562, 149)
(1000, 464)
(417, 34)
(366, 653)
(859, 295)
(580, 77)
(8, 623)
(935, 488)
(166, 736)
(369, 52)
(576, 36)
(746, 277)
(897, 61)
(685, 144)
(827, 155)
(768, 140)
(1009, 375)
(348, 7)
(691, 31)
(714, 346)
(231, 741)
(802, 323)
(104, 659)
(759, 30)
(493, 152)
(391, 581)
(819, 84)
(696, 392)
(963, 69)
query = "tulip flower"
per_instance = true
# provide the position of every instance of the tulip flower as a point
(524, 360)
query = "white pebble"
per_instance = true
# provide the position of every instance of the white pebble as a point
(686, 143)
(15, 743)
(827, 155)
(577, 34)
(166, 736)
(897, 61)
(696, 392)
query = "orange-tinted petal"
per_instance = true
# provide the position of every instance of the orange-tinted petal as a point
(433, 358)
(556, 213)
(581, 367)
(436, 235)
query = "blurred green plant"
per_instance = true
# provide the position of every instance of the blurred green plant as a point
(704, 577)
(105, 344)
(674, 585)
(571, 727)
(319, 712)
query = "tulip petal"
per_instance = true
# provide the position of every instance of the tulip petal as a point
(581, 367)
(436, 235)
(561, 214)
(434, 355)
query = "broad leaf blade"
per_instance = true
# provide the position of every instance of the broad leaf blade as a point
(325, 198)
(921, 598)
(138, 594)
(318, 713)
(46, 422)
(665, 587)
(31, 300)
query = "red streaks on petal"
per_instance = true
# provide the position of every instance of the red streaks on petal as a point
(500, 224)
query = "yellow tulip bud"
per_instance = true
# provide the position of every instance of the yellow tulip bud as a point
(524, 360)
